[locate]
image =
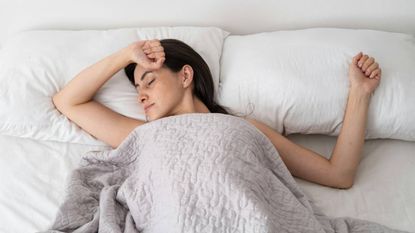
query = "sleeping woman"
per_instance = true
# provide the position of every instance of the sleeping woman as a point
(192, 166)
(172, 79)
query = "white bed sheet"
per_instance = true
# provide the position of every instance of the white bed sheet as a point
(384, 187)
(33, 177)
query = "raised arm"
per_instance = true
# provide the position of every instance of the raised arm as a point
(338, 171)
(364, 75)
(76, 102)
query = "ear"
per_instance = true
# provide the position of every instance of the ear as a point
(186, 76)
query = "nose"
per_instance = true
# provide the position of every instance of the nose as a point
(142, 97)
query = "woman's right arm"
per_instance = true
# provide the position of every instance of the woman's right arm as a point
(76, 102)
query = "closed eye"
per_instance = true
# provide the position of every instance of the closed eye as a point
(151, 82)
(148, 84)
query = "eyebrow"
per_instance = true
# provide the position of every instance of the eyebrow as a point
(142, 77)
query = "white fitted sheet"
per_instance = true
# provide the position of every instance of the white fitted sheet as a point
(33, 177)
(384, 187)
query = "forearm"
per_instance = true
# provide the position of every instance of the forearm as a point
(83, 87)
(347, 151)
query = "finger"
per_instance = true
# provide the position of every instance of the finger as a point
(153, 49)
(380, 74)
(157, 49)
(152, 56)
(160, 55)
(362, 60)
(371, 68)
(156, 55)
(357, 57)
(146, 45)
(367, 63)
(157, 64)
(154, 43)
(374, 73)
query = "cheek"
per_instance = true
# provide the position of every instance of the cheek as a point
(168, 95)
(168, 88)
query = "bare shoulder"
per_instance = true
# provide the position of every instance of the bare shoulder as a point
(264, 128)
(251, 120)
(255, 122)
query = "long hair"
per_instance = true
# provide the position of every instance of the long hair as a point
(178, 54)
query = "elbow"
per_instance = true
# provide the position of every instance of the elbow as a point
(345, 185)
(342, 178)
(55, 101)
(59, 105)
(345, 182)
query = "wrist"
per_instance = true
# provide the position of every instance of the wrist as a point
(124, 55)
(359, 92)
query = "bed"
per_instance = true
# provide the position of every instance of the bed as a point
(35, 167)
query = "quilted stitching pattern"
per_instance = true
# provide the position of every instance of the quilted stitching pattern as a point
(192, 173)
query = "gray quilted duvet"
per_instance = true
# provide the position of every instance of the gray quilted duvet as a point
(192, 173)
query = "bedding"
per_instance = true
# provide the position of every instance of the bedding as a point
(296, 81)
(32, 178)
(34, 65)
(193, 173)
(34, 173)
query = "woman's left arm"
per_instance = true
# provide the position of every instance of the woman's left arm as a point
(364, 76)
(340, 169)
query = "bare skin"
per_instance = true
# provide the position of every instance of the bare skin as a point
(167, 93)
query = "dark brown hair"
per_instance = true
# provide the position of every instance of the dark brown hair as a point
(178, 54)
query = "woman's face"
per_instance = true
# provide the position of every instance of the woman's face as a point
(160, 92)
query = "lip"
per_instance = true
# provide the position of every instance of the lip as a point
(147, 107)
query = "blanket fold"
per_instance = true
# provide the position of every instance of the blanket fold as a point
(192, 173)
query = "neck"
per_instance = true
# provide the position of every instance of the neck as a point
(191, 105)
(200, 106)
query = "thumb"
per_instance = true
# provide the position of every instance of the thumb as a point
(160, 61)
(157, 64)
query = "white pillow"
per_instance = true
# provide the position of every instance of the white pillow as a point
(297, 81)
(34, 65)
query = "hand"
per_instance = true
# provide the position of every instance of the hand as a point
(149, 54)
(364, 73)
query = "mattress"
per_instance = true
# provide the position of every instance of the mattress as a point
(33, 175)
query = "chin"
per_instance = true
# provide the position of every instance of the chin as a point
(152, 117)
(148, 118)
